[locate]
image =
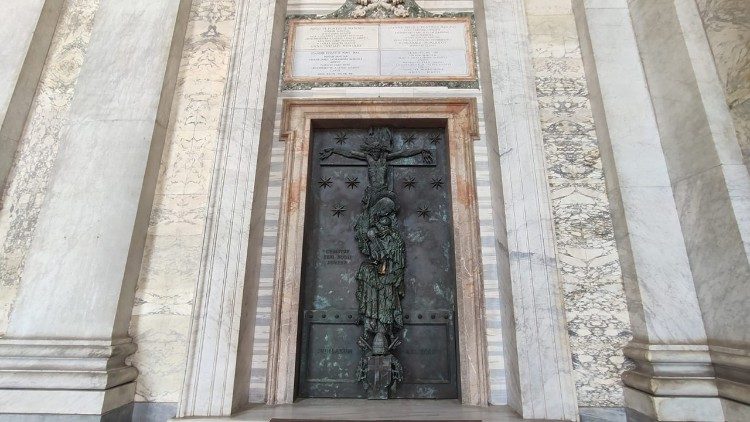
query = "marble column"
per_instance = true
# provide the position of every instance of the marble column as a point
(538, 357)
(25, 38)
(67, 340)
(710, 181)
(674, 378)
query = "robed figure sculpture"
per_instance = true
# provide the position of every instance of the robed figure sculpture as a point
(380, 278)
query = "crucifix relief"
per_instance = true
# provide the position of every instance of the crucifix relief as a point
(380, 278)
(383, 278)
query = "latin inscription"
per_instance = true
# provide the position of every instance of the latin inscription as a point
(334, 351)
(418, 36)
(336, 256)
(421, 352)
(327, 50)
(336, 63)
(423, 63)
(336, 37)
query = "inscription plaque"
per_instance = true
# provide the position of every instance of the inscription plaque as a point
(438, 49)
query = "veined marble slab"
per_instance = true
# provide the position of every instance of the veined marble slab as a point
(382, 50)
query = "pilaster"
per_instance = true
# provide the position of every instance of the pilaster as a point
(67, 339)
(674, 377)
(25, 39)
(708, 177)
(539, 367)
(222, 329)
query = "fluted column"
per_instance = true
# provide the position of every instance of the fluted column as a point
(67, 339)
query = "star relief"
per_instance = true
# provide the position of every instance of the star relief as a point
(437, 182)
(341, 138)
(424, 211)
(435, 138)
(409, 183)
(352, 182)
(325, 182)
(409, 139)
(338, 209)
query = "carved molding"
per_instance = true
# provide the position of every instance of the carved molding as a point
(380, 9)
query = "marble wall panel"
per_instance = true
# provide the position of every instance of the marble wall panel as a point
(37, 150)
(169, 271)
(727, 24)
(597, 318)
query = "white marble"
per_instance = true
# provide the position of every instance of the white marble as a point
(366, 410)
(171, 261)
(82, 264)
(705, 165)
(320, 36)
(728, 32)
(66, 402)
(423, 36)
(445, 63)
(594, 298)
(379, 50)
(320, 64)
(25, 39)
(647, 228)
(540, 374)
(674, 409)
(219, 349)
(680, 243)
(37, 149)
(324, 7)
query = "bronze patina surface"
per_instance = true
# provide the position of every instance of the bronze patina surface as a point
(379, 266)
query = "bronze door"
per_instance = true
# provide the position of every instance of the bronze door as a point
(378, 283)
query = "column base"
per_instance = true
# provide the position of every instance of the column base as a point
(648, 407)
(66, 402)
(732, 366)
(671, 383)
(65, 377)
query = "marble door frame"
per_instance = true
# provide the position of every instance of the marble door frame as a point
(462, 129)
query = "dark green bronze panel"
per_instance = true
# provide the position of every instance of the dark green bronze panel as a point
(378, 294)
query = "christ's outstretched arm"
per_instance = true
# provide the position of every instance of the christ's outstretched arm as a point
(426, 154)
(348, 153)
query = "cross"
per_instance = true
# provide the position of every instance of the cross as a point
(377, 153)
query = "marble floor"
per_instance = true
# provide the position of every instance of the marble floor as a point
(367, 410)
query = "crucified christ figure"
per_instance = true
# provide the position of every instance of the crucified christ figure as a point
(378, 152)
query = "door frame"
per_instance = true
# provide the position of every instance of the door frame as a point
(462, 129)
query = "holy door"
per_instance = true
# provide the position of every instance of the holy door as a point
(378, 281)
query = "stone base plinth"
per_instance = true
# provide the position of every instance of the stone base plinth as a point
(65, 377)
(66, 402)
(659, 408)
